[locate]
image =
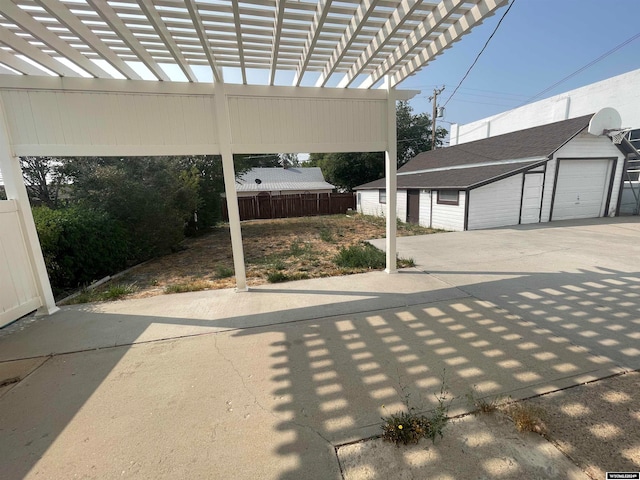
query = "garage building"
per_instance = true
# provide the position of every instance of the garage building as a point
(557, 171)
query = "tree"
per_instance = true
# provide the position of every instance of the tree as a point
(152, 198)
(348, 170)
(414, 133)
(288, 160)
(43, 178)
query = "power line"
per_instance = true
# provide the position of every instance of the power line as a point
(480, 53)
(583, 68)
(559, 82)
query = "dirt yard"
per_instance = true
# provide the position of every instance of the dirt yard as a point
(275, 250)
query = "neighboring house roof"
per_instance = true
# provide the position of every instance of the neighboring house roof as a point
(476, 163)
(282, 179)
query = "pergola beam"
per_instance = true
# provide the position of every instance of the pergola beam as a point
(236, 19)
(314, 33)
(358, 21)
(69, 20)
(23, 47)
(122, 31)
(277, 33)
(436, 18)
(149, 9)
(204, 40)
(472, 18)
(18, 64)
(21, 18)
(391, 26)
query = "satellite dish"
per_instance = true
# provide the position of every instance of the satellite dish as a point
(605, 119)
(258, 181)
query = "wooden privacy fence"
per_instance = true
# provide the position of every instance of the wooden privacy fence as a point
(297, 205)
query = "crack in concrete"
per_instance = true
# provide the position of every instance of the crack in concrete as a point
(257, 402)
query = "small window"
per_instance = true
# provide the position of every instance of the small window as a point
(382, 196)
(448, 197)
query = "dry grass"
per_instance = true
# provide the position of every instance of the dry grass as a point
(291, 248)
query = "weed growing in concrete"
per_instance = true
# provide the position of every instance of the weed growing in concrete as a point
(110, 293)
(410, 426)
(279, 277)
(117, 291)
(195, 286)
(527, 417)
(483, 404)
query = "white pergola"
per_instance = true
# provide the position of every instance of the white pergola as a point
(147, 77)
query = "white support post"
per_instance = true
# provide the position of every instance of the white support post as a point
(224, 138)
(16, 190)
(391, 180)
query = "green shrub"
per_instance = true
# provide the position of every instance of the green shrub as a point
(224, 272)
(79, 245)
(363, 255)
(277, 277)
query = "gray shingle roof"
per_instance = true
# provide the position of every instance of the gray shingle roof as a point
(282, 179)
(528, 147)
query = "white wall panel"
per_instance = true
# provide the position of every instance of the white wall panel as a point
(496, 204)
(425, 208)
(401, 206)
(99, 123)
(18, 292)
(448, 217)
(620, 92)
(277, 124)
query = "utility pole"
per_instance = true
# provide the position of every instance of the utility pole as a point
(436, 92)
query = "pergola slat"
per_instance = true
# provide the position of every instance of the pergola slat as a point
(391, 26)
(69, 20)
(365, 9)
(18, 64)
(236, 19)
(163, 32)
(472, 18)
(25, 48)
(28, 23)
(314, 33)
(115, 22)
(440, 14)
(204, 41)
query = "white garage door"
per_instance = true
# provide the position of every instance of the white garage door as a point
(581, 189)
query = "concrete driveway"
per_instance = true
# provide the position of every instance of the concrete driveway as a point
(578, 279)
(266, 384)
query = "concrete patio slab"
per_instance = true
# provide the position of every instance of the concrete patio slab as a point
(267, 384)
(270, 401)
(90, 326)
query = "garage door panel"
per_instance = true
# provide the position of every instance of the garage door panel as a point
(580, 189)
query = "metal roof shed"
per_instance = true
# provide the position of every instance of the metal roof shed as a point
(146, 77)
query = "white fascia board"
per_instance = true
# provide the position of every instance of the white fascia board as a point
(474, 165)
(12, 82)
(113, 150)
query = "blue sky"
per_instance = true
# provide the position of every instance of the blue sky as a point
(538, 43)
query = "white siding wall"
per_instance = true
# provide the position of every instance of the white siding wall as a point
(93, 123)
(369, 204)
(619, 92)
(425, 208)
(263, 124)
(496, 204)
(401, 205)
(448, 217)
